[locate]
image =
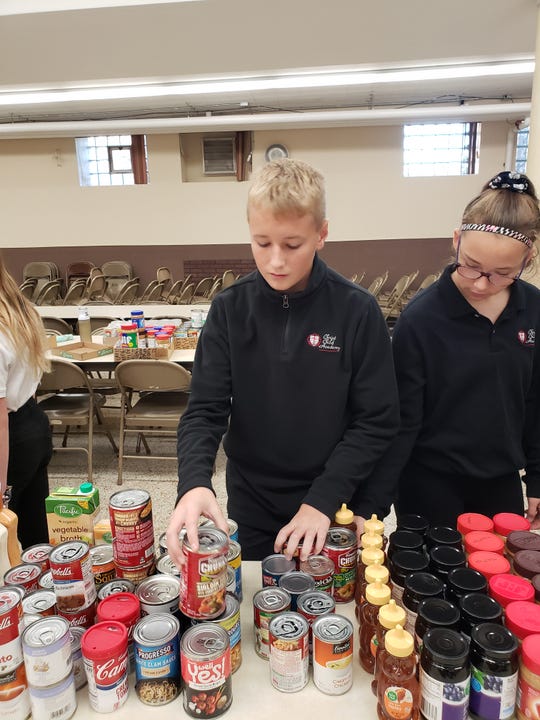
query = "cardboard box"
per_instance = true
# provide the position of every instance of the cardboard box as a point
(103, 533)
(82, 351)
(72, 513)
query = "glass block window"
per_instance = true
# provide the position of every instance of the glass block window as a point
(431, 149)
(112, 160)
(522, 148)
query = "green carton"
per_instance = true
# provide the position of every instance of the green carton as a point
(71, 513)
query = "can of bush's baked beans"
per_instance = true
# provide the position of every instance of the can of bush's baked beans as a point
(157, 658)
(332, 654)
(341, 547)
(205, 659)
(267, 603)
(38, 554)
(132, 528)
(10, 616)
(204, 577)
(25, 575)
(289, 651)
(71, 568)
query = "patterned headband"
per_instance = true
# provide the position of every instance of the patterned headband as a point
(484, 227)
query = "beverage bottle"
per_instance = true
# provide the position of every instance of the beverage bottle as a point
(344, 518)
(377, 595)
(85, 329)
(372, 573)
(390, 616)
(398, 693)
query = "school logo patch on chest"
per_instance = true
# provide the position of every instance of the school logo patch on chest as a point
(325, 342)
(527, 337)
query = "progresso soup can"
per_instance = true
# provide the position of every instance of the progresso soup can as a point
(157, 658)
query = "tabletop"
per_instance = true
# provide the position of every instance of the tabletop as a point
(71, 312)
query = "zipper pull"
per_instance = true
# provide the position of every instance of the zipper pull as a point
(285, 302)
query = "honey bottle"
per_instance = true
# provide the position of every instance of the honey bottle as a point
(365, 558)
(372, 573)
(398, 691)
(389, 617)
(344, 518)
(377, 595)
(374, 525)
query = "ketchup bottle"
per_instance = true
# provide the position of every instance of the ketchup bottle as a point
(377, 594)
(398, 691)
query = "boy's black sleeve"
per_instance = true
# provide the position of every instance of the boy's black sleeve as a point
(531, 440)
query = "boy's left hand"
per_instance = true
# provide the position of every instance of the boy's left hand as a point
(309, 526)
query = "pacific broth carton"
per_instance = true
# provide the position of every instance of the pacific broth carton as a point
(72, 513)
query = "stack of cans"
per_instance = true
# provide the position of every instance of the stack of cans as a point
(14, 695)
(132, 528)
(73, 582)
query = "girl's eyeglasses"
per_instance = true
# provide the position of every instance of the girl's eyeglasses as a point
(494, 278)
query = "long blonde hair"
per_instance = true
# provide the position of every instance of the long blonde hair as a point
(22, 324)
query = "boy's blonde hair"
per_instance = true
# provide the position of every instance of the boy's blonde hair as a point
(289, 187)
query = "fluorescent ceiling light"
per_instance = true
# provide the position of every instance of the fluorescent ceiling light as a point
(281, 82)
(28, 7)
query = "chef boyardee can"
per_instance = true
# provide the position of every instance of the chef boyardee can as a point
(71, 568)
(289, 651)
(102, 564)
(157, 658)
(332, 654)
(204, 578)
(205, 659)
(274, 566)
(47, 651)
(341, 547)
(230, 621)
(267, 603)
(159, 594)
(234, 560)
(114, 586)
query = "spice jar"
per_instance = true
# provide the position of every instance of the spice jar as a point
(528, 695)
(404, 540)
(419, 586)
(527, 563)
(470, 522)
(478, 608)
(493, 654)
(462, 581)
(488, 563)
(442, 535)
(434, 612)
(415, 523)
(478, 540)
(523, 618)
(507, 588)
(445, 674)
(402, 564)
(444, 558)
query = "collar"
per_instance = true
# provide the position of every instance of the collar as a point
(318, 275)
(458, 306)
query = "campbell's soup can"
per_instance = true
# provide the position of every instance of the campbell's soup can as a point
(105, 654)
(229, 620)
(11, 654)
(321, 568)
(124, 608)
(205, 660)
(45, 581)
(54, 702)
(267, 603)
(38, 554)
(159, 594)
(157, 658)
(204, 578)
(82, 618)
(115, 586)
(132, 528)
(71, 568)
(25, 575)
(14, 694)
(289, 651)
(47, 651)
(135, 574)
(341, 547)
(274, 566)
(332, 654)
(102, 564)
(39, 602)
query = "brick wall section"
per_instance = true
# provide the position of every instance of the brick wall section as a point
(200, 269)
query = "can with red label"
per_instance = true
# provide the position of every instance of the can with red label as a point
(341, 547)
(333, 654)
(47, 651)
(204, 578)
(289, 651)
(25, 575)
(137, 574)
(102, 564)
(83, 618)
(267, 603)
(124, 608)
(205, 660)
(14, 695)
(38, 554)
(230, 621)
(40, 602)
(105, 653)
(11, 654)
(132, 528)
(71, 568)
(321, 568)
(46, 581)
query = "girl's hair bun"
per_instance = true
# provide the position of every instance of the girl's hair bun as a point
(514, 181)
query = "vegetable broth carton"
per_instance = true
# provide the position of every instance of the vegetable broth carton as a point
(72, 513)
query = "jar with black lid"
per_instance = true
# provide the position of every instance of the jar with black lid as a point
(404, 540)
(402, 564)
(416, 523)
(462, 581)
(444, 558)
(443, 535)
(494, 657)
(434, 612)
(478, 608)
(418, 587)
(444, 675)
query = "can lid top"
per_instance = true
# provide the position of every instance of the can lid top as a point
(121, 606)
(104, 639)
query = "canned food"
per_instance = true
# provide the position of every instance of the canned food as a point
(289, 651)
(124, 608)
(54, 701)
(157, 659)
(26, 620)
(102, 564)
(232, 525)
(234, 560)
(105, 655)
(71, 568)
(135, 574)
(321, 568)
(166, 566)
(11, 654)
(79, 675)
(230, 621)
(332, 654)
(205, 659)
(162, 544)
(274, 566)
(231, 580)
(204, 579)
(14, 695)
(25, 575)
(47, 651)
(296, 583)
(341, 547)
(115, 586)
(83, 618)
(40, 602)
(267, 603)
(159, 594)
(132, 528)
(38, 554)
(45, 581)
(315, 603)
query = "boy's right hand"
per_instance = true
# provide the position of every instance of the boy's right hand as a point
(196, 502)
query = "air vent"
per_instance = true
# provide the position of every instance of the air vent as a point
(219, 155)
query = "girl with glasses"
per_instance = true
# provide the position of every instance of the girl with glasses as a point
(468, 369)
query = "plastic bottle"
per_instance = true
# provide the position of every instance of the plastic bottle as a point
(372, 573)
(398, 692)
(344, 518)
(366, 558)
(85, 328)
(377, 595)
(374, 525)
(390, 616)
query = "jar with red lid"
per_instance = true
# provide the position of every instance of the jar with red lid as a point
(506, 588)
(528, 694)
(504, 523)
(523, 618)
(485, 541)
(488, 563)
(527, 563)
(470, 522)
